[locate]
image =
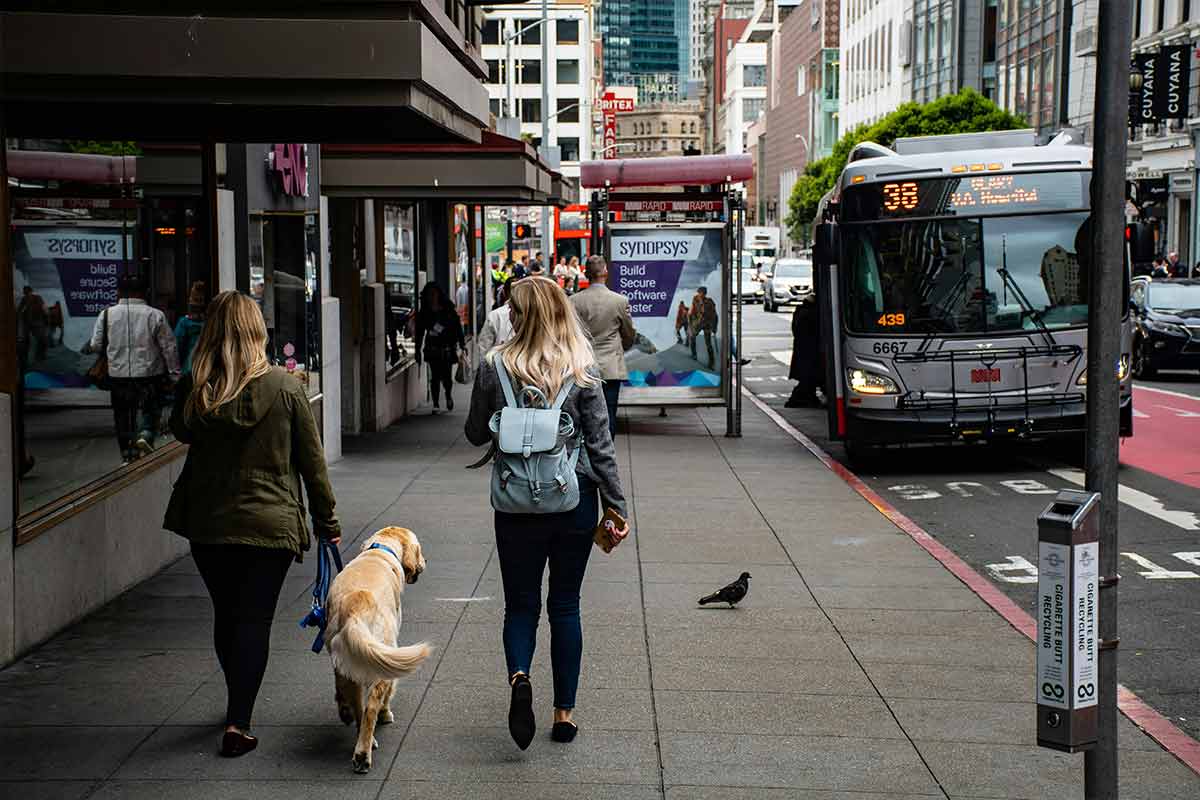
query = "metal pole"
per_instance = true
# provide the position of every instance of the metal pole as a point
(1104, 351)
(545, 80)
(508, 67)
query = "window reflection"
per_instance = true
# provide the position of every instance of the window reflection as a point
(104, 261)
(400, 281)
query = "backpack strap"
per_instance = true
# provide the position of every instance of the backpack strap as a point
(505, 382)
(567, 386)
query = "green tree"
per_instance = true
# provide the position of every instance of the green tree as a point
(105, 148)
(965, 112)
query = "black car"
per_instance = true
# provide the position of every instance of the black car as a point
(1167, 325)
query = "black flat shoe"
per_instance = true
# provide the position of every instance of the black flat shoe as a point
(521, 723)
(564, 732)
(236, 743)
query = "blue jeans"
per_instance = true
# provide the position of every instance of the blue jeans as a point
(612, 392)
(524, 543)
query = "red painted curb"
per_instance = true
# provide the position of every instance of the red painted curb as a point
(1155, 725)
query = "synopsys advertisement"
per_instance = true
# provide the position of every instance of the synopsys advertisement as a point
(672, 277)
(71, 273)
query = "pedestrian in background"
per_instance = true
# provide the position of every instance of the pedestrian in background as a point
(805, 362)
(252, 440)
(142, 358)
(439, 337)
(1176, 269)
(548, 346)
(187, 329)
(33, 321)
(573, 274)
(606, 319)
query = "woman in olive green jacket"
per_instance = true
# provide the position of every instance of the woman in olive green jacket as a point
(238, 500)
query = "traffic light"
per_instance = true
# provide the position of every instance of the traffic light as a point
(1140, 238)
(520, 231)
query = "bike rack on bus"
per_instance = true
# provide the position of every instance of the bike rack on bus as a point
(991, 403)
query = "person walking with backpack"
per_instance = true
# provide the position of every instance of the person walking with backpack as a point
(606, 318)
(252, 441)
(538, 400)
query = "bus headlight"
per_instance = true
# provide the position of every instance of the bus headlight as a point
(1122, 371)
(864, 382)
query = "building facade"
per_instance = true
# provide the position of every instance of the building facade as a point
(670, 129)
(642, 47)
(946, 46)
(745, 98)
(1162, 155)
(870, 79)
(801, 118)
(1031, 41)
(728, 22)
(512, 48)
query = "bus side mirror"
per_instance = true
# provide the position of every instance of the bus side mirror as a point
(826, 243)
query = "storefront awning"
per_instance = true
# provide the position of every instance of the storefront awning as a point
(323, 74)
(498, 171)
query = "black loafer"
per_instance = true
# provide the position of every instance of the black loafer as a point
(236, 743)
(564, 732)
(521, 723)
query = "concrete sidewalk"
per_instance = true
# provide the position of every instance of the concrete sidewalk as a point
(858, 666)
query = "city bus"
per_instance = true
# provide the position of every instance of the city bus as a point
(571, 232)
(952, 277)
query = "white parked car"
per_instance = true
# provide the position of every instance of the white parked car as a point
(791, 281)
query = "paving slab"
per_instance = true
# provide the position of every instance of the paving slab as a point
(442, 790)
(66, 752)
(774, 793)
(350, 787)
(752, 712)
(801, 762)
(464, 754)
(763, 675)
(47, 789)
(125, 703)
(818, 645)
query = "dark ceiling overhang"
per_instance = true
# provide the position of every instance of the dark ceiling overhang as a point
(498, 171)
(170, 78)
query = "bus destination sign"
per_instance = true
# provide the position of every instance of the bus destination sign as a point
(968, 196)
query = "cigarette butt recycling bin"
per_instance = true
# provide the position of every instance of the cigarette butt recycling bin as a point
(1068, 604)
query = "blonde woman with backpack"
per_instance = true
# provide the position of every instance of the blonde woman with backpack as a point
(547, 365)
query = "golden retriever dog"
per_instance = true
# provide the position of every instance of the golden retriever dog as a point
(364, 622)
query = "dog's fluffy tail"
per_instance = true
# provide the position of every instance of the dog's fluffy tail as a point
(362, 658)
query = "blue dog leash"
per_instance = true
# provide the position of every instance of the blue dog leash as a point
(327, 557)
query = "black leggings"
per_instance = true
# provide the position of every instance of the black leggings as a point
(442, 376)
(244, 583)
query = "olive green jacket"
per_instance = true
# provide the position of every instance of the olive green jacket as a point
(241, 481)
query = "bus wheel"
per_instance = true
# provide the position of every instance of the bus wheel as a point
(861, 456)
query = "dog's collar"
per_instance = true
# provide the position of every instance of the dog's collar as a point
(384, 547)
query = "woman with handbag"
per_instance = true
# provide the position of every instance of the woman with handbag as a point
(238, 499)
(548, 352)
(439, 336)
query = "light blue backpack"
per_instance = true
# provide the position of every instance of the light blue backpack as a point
(537, 449)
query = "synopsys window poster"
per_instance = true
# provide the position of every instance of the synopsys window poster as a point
(672, 277)
(71, 273)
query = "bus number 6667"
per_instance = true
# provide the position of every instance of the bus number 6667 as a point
(889, 347)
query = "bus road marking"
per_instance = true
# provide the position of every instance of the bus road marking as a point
(1138, 499)
(1021, 570)
(1152, 571)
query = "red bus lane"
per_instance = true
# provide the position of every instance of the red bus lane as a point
(1166, 435)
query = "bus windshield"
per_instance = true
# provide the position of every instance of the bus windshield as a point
(964, 274)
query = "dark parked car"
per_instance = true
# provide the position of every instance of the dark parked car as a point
(1167, 325)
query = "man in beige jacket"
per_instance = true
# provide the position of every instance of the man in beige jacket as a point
(606, 318)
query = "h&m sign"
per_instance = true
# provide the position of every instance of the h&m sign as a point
(287, 169)
(1165, 84)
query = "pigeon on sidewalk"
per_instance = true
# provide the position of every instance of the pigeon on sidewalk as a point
(732, 594)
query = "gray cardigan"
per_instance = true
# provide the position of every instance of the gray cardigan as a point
(585, 406)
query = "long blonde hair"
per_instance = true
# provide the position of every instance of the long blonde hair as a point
(231, 352)
(548, 342)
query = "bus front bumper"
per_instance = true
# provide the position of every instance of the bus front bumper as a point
(906, 426)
